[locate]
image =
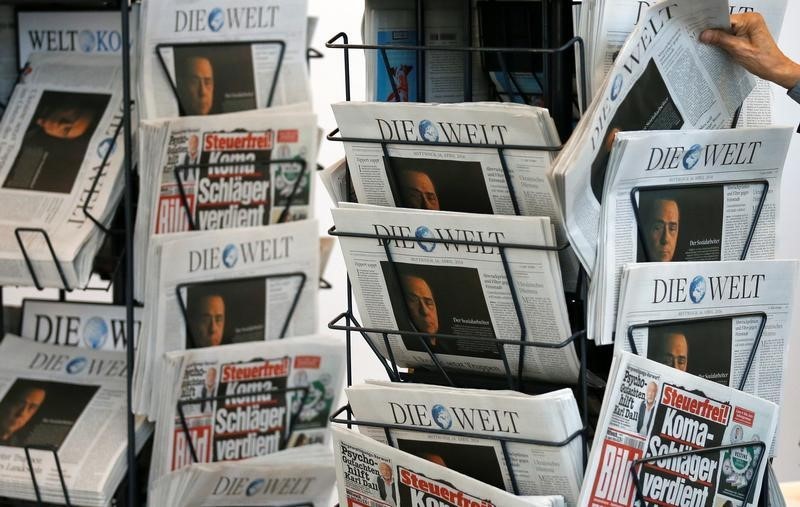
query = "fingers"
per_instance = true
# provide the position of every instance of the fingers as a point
(721, 39)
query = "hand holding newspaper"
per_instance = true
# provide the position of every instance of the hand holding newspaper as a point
(651, 410)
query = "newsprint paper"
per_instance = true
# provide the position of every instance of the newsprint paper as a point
(717, 349)
(265, 419)
(369, 473)
(61, 121)
(72, 400)
(697, 195)
(424, 409)
(75, 324)
(211, 288)
(219, 57)
(298, 476)
(463, 290)
(650, 410)
(663, 79)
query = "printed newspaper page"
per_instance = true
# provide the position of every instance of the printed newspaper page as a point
(374, 474)
(651, 410)
(663, 79)
(73, 324)
(537, 469)
(47, 166)
(288, 390)
(221, 59)
(461, 290)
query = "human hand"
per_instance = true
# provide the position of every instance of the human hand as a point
(752, 46)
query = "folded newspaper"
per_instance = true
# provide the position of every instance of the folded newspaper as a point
(199, 58)
(73, 402)
(472, 290)
(662, 79)
(62, 120)
(606, 24)
(225, 174)
(653, 410)
(210, 288)
(685, 196)
(374, 474)
(75, 324)
(299, 476)
(506, 418)
(245, 400)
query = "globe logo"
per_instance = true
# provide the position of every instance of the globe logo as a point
(616, 87)
(106, 147)
(230, 255)
(254, 486)
(76, 365)
(441, 416)
(692, 157)
(86, 41)
(428, 131)
(697, 289)
(216, 19)
(95, 333)
(422, 233)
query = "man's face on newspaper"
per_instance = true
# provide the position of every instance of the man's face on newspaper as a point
(421, 304)
(650, 394)
(662, 230)
(418, 191)
(676, 351)
(21, 410)
(208, 325)
(66, 122)
(385, 471)
(199, 87)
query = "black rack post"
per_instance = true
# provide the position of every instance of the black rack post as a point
(63, 482)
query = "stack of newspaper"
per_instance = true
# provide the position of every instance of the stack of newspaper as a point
(654, 410)
(717, 320)
(299, 476)
(199, 57)
(245, 400)
(70, 401)
(372, 473)
(662, 79)
(685, 196)
(506, 418)
(62, 120)
(475, 277)
(210, 288)
(201, 175)
(606, 24)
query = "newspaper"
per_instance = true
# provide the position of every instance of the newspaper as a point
(211, 288)
(8, 57)
(697, 196)
(305, 373)
(298, 476)
(663, 79)
(613, 20)
(221, 59)
(61, 121)
(334, 179)
(374, 474)
(72, 324)
(395, 79)
(461, 290)
(73, 401)
(424, 409)
(226, 174)
(650, 410)
(727, 298)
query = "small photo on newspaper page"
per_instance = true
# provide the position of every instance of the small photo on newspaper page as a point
(41, 412)
(213, 79)
(56, 140)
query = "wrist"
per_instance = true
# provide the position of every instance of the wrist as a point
(788, 75)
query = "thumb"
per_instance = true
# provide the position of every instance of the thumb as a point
(719, 38)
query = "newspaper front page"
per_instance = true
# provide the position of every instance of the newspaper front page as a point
(288, 390)
(697, 199)
(424, 409)
(60, 123)
(374, 474)
(72, 400)
(72, 324)
(663, 79)
(461, 290)
(650, 410)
